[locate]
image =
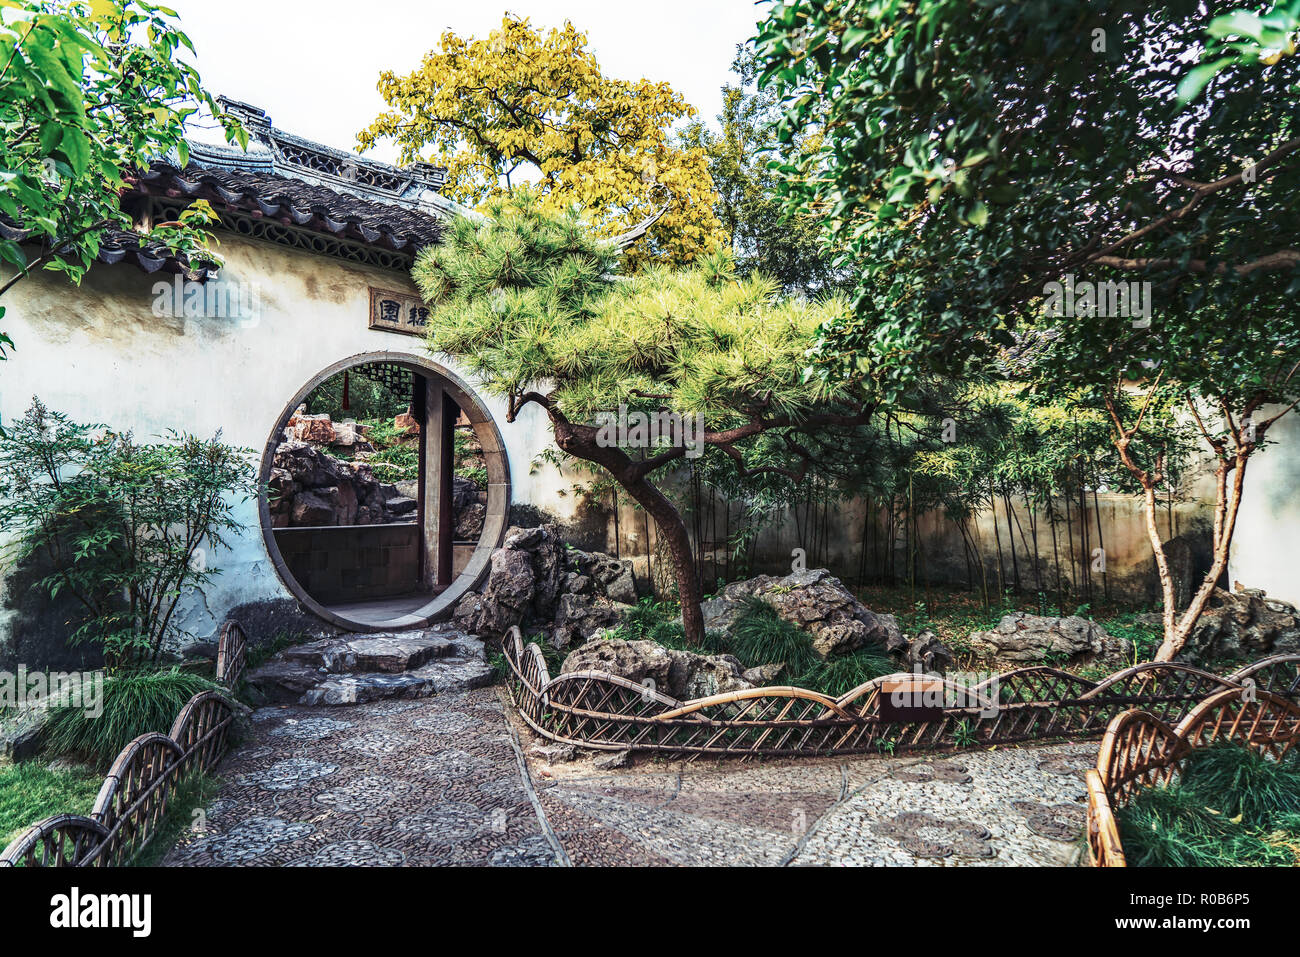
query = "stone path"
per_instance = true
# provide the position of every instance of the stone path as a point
(438, 781)
(433, 781)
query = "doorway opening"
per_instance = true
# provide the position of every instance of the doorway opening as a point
(385, 490)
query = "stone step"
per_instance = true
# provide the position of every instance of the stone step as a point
(388, 652)
(439, 677)
(355, 669)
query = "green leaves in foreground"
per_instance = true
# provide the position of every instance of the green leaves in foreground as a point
(89, 93)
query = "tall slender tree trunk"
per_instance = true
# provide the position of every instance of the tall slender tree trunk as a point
(1178, 628)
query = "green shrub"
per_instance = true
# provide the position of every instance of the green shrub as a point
(128, 527)
(134, 703)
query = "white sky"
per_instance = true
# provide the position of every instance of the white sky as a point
(313, 65)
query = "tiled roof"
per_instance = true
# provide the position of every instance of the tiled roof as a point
(295, 203)
(285, 179)
(292, 181)
(122, 245)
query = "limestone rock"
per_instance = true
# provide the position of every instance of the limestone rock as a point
(926, 653)
(1244, 624)
(406, 423)
(764, 674)
(313, 508)
(317, 429)
(350, 435)
(469, 522)
(578, 618)
(1033, 638)
(678, 674)
(612, 759)
(814, 601)
(554, 753)
(399, 505)
(312, 488)
(22, 731)
(535, 580)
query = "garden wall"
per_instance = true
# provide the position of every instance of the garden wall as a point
(852, 539)
(100, 353)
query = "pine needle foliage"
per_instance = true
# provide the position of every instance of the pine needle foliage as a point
(530, 300)
(534, 306)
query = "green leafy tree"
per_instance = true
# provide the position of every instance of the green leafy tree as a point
(125, 527)
(89, 91)
(531, 305)
(766, 237)
(975, 154)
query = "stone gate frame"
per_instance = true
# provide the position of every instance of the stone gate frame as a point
(440, 382)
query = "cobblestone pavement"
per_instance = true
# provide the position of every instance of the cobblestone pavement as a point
(434, 781)
(438, 781)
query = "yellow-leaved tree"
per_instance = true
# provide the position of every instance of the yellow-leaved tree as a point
(527, 111)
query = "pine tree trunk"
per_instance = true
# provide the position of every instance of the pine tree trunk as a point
(580, 441)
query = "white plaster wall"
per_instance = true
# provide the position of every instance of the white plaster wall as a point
(99, 353)
(1266, 543)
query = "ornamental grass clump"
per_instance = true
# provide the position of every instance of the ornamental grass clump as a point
(762, 637)
(134, 703)
(1231, 807)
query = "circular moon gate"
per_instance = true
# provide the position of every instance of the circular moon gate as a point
(446, 395)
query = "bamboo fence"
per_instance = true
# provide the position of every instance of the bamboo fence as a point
(593, 709)
(1139, 750)
(133, 799)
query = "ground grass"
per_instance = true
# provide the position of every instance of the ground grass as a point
(1231, 807)
(953, 615)
(30, 792)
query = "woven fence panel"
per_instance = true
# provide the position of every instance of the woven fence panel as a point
(134, 797)
(607, 712)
